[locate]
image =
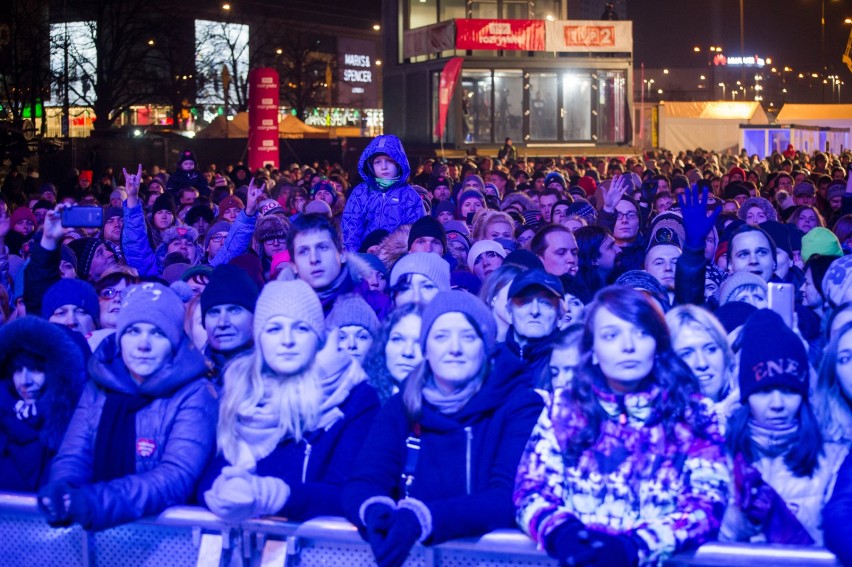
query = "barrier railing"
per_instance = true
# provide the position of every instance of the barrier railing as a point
(186, 535)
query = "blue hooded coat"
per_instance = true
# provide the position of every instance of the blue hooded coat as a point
(371, 207)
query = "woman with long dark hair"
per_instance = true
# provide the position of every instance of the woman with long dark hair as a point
(597, 252)
(627, 465)
(785, 470)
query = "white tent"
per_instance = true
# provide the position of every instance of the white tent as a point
(238, 127)
(707, 125)
(822, 115)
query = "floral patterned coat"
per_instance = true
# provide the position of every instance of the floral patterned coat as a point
(669, 492)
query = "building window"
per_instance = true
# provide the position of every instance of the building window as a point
(543, 93)
(477, 103)
(452, 9)
(508, 105)
(576, 106)
(422, 13)
(611, 107)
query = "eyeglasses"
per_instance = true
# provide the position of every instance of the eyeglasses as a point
(631, 216)
(218, 237)
(110, 293)
(275, 240)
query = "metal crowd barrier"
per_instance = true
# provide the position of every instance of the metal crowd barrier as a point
(186, 535)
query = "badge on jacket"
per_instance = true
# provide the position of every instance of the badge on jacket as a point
(145, 447)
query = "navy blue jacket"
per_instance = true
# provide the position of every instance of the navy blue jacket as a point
(315, 468)
(837, 513)
(466, 467)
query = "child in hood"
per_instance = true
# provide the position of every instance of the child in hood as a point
(187, 175)
(385, 199)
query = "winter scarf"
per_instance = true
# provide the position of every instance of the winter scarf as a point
(115, 444)
(772, 442)
(450, 403)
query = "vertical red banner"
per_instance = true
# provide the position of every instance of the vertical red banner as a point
(449, 77)
(263, 118)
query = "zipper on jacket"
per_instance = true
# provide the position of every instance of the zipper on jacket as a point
(469, 434)
(305, 464)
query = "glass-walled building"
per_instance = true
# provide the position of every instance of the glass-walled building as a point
(527, 73)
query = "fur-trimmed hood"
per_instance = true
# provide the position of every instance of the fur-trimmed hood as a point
(394, 246)
(65, 370)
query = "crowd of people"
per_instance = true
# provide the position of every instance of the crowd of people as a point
(596, 351)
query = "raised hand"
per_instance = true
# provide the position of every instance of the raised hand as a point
(53, 231)
(616, 190)
(131, 185)
(697, 223)
(255, 195)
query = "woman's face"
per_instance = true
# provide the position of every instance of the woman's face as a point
(704, 356)
(755, 215)
(109, 300)
(624, 351)
(843, 366)
(288, 346)
(24, 227)
(807, 220)
(324, 195)
(470, 206)
(199, 333)
(28, 384)
(574, 310)
(751, 295)
(564, 362)
(145, 349)
(810, 293)
(355, 340)
(402, 351)
(419, 290)
(455, 352)
(775, 409)
(163, 219)
(499, 230)
(500, 305)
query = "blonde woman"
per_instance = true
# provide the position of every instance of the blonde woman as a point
(490, 225)
(292, 417)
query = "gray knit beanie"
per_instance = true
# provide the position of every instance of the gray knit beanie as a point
(294, 299)
(352, 310)
(458, 301)
(736, 280)
(760, 203)
(152, 303)
(426, 264)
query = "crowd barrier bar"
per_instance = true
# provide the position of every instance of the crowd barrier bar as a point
(186, 535)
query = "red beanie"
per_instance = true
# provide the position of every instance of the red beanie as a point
(588, 184)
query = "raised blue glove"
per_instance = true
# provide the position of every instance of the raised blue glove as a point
(404, 532)
(697, 224)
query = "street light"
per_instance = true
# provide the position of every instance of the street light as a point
(723, 90)
(226, 6)
(377, 27)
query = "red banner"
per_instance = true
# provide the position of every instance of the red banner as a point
(522, 35)
(449, 77)
(263, 118)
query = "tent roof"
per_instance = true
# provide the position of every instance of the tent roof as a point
(238, 127)
(714, 110)
(790, 113)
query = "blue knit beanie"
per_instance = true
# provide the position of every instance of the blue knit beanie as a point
(457, 301)
(155, 304)
(75, 292)
(229, 285)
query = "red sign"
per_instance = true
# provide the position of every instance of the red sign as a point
(521, 35)
(263, 118)
(449, 77)
(597, 36)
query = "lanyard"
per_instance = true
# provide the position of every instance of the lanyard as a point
(412, 452)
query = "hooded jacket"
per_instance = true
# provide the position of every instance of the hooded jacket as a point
(371, 207)
(176, 435)
(467, 462)
(634, 480)
(27, 445)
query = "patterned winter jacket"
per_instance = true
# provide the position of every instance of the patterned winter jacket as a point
(370, 207)
(670, 493)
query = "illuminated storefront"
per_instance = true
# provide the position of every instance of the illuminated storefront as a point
(526, 74)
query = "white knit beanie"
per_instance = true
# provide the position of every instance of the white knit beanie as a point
(294, 299)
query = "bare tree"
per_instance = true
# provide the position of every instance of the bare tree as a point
(304, 72)
(119, 75)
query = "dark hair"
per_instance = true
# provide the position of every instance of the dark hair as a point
(682, 400)
(313, 223)
(589, 241)
(802, 459)
(752, 228)
(375, 363)
(539, 241)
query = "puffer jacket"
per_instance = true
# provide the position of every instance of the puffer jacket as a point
(370, 207)
(135, 243)
(804, 496)
(29, 442)
(668, 493)
(466, 462)
(176, 436)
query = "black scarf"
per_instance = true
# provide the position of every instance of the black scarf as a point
(115, 446)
